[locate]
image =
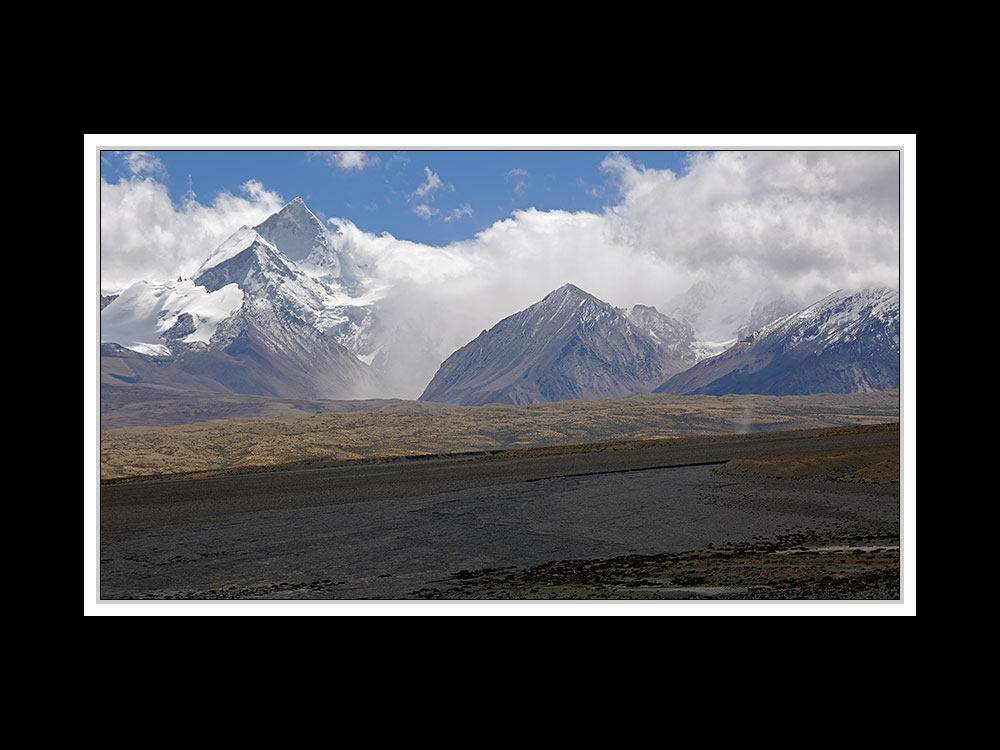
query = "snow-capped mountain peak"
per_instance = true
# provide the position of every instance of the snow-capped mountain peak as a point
(287, 264)
(304, 239)
(296, 230)
(251, 319)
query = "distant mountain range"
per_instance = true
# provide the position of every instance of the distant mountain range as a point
(284, 309)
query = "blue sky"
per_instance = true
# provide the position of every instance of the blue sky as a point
(429, 196)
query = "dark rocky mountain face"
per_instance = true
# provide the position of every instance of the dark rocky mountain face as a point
(569, 345)
(845, 343)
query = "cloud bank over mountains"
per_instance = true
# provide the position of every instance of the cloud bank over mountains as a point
(734, 230)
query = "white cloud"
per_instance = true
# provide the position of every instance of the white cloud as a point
(350, 159)
(424, 211)
(426, 192)
(457, 214)
(353, 159)
(143, 162)
(520, 183)
(145, 236)
(433, 184)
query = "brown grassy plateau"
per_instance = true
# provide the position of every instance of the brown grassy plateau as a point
(395, 429)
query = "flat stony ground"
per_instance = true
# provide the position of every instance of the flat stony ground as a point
(786, 524)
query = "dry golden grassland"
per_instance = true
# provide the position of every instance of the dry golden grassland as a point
(249, 443)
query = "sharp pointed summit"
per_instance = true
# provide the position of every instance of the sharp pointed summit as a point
(295, 230)
(568, 290)
(303, 238)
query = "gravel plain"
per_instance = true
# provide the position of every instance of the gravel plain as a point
(402, 532)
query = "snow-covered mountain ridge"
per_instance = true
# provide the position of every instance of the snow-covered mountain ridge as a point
(836, 319)
(846, 342)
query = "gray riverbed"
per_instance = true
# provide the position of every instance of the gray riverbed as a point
(391, 549)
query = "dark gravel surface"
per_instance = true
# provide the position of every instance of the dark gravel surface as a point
(410, 530)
